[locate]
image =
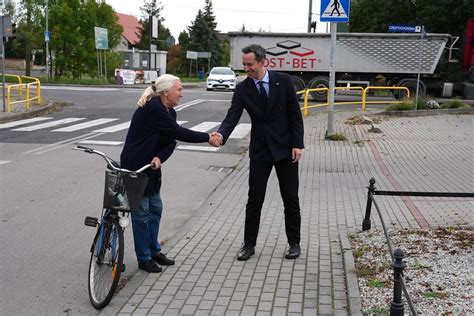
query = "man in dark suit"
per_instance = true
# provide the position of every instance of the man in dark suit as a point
(276, 140)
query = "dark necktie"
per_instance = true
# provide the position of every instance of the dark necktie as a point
(262, 91)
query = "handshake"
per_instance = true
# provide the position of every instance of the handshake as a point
(215, 139)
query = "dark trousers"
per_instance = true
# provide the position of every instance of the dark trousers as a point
(287, 173)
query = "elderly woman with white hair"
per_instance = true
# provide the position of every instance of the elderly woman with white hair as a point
(151, 138)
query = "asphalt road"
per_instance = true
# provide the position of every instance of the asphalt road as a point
(46, 190)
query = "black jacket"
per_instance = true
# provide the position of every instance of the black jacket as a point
(153, 133)
(277, 126)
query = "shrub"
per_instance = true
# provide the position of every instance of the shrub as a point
(404, 106)
(455, 104)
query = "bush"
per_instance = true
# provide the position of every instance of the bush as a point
(455, 104)
(404, 106)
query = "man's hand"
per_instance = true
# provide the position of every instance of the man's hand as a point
(155, 163)
(215, 139)
(296, 154)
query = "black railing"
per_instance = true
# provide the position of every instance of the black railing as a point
(397, 307)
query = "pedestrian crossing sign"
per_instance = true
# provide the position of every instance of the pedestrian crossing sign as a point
(334, 11)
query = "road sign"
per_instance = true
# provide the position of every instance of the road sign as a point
(334, 11)
(47, 36)
(101, 38)
(400, 28)
(191, 55)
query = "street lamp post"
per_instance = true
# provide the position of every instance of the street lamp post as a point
(47, 40)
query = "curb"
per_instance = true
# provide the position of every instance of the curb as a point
(353, 295)
(412, 113)
(8, 117)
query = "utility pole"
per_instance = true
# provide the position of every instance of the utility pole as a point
(310, 15)
(332, 80)
(150, 28)
(47, 40)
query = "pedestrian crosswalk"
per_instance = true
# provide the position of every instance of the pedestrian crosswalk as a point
(97, 127)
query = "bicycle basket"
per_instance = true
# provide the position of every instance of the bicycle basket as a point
(124, 191)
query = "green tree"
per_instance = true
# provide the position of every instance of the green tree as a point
(72, 25)
(204, 37)
(449, 16)
(148, 9)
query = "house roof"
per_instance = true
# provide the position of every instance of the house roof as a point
(131, 27)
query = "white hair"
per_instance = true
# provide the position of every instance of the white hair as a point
(163, 83)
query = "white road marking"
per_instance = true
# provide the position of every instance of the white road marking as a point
(188, 104)
(181, 122)
(100, 142)
(85, 125)
(48, 124)
(77, 88)
(46, 148)
(205, 126)
(241, 130)
(24, 122)
(114, 128)
(2, 162)
(197, 148)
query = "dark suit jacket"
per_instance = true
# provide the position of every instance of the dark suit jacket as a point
(277, 126)
(153, 133)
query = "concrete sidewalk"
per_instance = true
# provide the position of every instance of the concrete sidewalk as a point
(432, 153)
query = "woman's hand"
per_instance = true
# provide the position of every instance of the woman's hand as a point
(155, 163)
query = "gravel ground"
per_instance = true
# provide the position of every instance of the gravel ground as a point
(439, 273)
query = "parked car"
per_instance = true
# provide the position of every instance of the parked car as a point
(221, 78)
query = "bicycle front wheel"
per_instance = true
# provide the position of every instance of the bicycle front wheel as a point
(106, 263)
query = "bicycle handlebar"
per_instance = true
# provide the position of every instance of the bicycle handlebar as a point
(111, 164)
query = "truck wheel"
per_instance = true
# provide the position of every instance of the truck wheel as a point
(299, 85)
(411, 85)
(319, 82)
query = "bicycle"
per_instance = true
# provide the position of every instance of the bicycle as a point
(122, 193)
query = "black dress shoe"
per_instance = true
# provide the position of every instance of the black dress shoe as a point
(245, 252)
(150, 266)
(163, 260)
(293, 252)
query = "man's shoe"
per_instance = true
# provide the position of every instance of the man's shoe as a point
(150, 266)
(163, 260)
(245, 252)
(293, 252)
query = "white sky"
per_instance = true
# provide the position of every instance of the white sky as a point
(269, 15)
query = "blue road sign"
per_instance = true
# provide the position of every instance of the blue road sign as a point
(47, 36)
(400, 28)
(334, 11)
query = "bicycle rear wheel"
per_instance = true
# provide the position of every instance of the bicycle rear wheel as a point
(106, 263)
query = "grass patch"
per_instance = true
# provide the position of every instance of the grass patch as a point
(337, 137)
(404, 106)
(455, 104)
(377, 283)
(376, 311)
(419, 266)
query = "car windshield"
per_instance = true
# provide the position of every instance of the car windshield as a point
(222, 72)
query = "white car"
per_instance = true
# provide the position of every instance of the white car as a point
(221, 78)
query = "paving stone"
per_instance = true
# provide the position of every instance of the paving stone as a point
(323, 275)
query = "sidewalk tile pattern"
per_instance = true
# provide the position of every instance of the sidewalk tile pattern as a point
(428, 153)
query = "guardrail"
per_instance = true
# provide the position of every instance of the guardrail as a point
(19, 81)
(397, 307)
(363, 102)
(28, 88)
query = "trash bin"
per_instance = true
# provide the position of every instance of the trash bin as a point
(447, 90)
(201, 75)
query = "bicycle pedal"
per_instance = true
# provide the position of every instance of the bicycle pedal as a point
(123, 267)
(91, 221)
